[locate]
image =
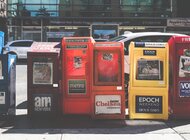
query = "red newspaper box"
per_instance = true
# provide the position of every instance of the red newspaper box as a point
(43, 79)
(76, 77)
(179, 48)
(108, 81)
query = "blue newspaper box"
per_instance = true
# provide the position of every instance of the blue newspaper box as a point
(7, 84)
(1, 41)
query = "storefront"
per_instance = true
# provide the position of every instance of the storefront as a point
(54, 29)
(179, 25)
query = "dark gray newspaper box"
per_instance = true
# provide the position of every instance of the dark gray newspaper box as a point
(43, 80)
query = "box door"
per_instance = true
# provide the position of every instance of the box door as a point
(183, 71)
(107, 68)
(77, 77)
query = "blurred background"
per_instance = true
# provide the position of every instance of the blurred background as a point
(50, 20)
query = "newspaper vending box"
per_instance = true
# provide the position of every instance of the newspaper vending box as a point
(7, 84)
(108, 81)
(148, 86)
(179, 48)
(76, 77)
(43, 79)
(1, 41)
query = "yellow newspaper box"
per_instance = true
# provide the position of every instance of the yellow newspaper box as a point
(148, 85)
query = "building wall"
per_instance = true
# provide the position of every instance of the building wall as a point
(91, 8)
(3, 17)
(183, 9)
(41, 20)
(3, 8)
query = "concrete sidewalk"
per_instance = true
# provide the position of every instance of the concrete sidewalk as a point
(83, 128)
(144, 131)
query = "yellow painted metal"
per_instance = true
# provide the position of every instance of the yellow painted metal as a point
(148, 98)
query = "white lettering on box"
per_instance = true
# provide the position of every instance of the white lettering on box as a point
(42, 104)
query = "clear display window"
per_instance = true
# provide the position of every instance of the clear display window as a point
(76, 62)
(184, 66)
(42, 73)
(149, 70)
(107, 68)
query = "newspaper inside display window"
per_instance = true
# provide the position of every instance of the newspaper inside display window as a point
(184, 64)
(149, 69)
(108, 67)
(1, 70)
(76, 61)
(76, 65)
(42, 73)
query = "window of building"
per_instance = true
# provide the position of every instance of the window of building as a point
(88, 8)
(55, 34)
(144, 7)
(35, 7)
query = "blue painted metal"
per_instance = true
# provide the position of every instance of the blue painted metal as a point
(7, 84)
(1, 41)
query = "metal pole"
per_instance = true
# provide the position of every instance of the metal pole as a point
(171, 6)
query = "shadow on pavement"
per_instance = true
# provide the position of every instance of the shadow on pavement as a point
(172, 122)
(80, 125)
